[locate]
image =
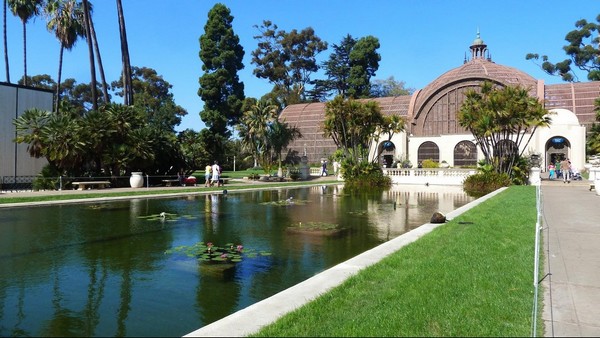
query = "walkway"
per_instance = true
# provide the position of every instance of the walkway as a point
(571, 220)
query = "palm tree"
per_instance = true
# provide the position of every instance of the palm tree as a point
(254, 126)
(65, 19)
(4, 7)
(31, 129)
(280, 135)
(127, 75)
(98, 57)
(87, 19)
(25, 10)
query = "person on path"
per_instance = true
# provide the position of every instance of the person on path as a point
(207, 174)
(216, 174)
(324, 168)
(565, 168)
(551, 170)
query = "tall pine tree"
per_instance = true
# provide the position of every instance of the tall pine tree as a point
(220, 87)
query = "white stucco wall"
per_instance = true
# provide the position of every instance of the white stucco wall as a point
(564, 124)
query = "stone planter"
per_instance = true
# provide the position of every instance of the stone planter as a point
(136, 180)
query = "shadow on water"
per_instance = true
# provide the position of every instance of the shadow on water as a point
(103, 269)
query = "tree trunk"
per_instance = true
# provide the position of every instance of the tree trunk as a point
(6, 44)
(100, 66)
(60, 61)
(127, 86)
(86, 19)
(24, 53)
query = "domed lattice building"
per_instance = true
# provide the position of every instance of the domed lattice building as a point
(432, 130)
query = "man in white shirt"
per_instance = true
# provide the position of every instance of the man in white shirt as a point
(216, 174)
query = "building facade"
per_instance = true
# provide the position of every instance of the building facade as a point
(432, 130)
(14, 101)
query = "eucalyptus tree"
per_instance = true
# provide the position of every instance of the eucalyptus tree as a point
(220, 87)
(65, 19)
(583, 51)
(364, 63)
(503, 121)
(350, 67)
(389, 87)
(25, 10)
(287, 60)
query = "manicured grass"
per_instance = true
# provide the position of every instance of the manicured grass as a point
(153, 191)
(469, 277)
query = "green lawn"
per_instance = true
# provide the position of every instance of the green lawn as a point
(470, 277)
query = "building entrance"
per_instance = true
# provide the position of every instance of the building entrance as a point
(557, 149)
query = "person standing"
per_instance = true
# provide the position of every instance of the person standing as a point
(324, 168)
(565, 168)
(207, 172)
(216, 174)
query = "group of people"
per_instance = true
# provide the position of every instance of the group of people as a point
(562, 169)
(212, 175)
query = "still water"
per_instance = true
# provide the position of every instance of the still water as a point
(100, 269)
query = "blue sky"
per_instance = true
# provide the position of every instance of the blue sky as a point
(420, 40)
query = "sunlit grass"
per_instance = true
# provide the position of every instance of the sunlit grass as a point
(469, 277)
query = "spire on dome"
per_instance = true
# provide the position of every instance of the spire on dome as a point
(478, 48)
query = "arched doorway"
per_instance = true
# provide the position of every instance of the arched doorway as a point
(557, 149)
(386, 151)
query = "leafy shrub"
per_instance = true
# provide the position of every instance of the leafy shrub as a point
(48, 179)
(485, 182)
(429, 163)
(364, 174)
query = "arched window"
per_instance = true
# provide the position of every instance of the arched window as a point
(428, 151)
(465, 154)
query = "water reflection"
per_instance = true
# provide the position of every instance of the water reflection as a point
(99, 269)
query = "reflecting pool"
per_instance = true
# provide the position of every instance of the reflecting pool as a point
(100, 268)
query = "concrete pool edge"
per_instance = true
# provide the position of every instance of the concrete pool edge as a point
(252, 318)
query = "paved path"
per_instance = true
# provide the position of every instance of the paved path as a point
(571, 220)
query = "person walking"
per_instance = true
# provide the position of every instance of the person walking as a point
(323, 168)
(565, 168)
(207, 174)
(216, 174)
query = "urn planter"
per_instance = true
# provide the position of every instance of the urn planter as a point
(136, 180)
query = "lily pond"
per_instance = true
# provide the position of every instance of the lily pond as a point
(168, 266)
